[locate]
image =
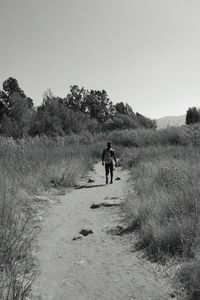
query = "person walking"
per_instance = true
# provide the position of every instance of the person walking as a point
(108, 156)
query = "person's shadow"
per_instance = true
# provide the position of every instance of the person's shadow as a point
(88, 186)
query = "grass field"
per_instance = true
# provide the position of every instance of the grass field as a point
(163, 207)
(164, 201)
(29, 166)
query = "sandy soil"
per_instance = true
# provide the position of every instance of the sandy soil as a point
(98, 266)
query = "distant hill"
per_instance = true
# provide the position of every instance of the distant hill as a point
(170, 121)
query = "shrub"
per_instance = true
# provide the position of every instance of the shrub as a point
(164, 206)
(28, 166)
(188, 276)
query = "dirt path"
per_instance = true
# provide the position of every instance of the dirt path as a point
(100, 265)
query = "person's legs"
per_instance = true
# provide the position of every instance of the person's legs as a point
(107, 172)
(111, 173)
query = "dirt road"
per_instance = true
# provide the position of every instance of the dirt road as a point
(99, 266)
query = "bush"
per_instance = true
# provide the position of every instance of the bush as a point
(28, 166)
(188, 276)
(184, 136)
(164, 205)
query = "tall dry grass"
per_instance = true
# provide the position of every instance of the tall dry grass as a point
(28, 166)
(164, 207)
(184, 135)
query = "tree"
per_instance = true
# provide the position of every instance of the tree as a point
(94, 103)
(15, 122)
(46, 119)
(81, 110)
(122, 108)
(120, 122)
(3, 107)
(55, 118)
(15, 109)
(11, 86)
(192, 116)
(145, 122)
(75, 98)
(98, 106)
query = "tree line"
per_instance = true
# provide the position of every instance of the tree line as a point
(80, 110)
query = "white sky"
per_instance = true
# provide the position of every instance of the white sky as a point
(144, 52)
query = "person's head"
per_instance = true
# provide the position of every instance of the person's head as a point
(108, 145)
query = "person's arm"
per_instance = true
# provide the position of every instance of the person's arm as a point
(103, 154)
(114, 158)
